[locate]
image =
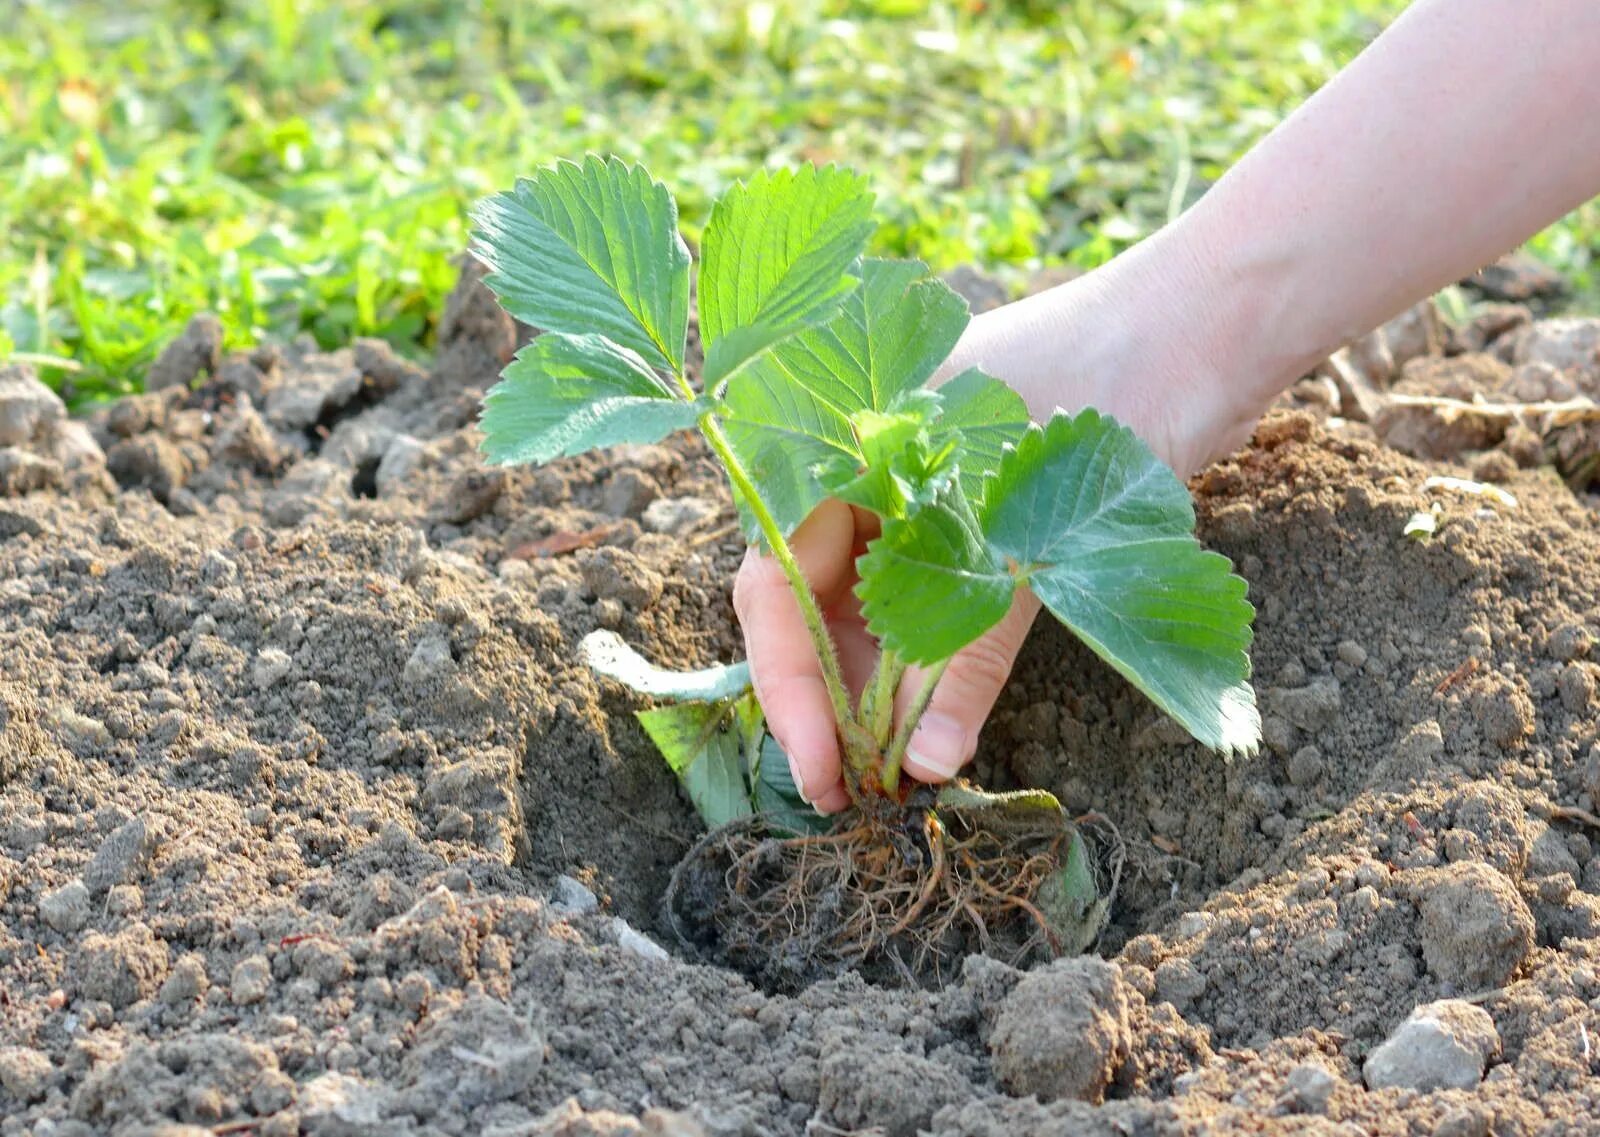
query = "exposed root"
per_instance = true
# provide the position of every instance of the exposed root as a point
(913, 890)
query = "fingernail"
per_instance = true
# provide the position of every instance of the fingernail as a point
(799, 782)
(939, 746)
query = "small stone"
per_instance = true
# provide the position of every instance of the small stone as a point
(1179, 982)
(620, 575)
(628, 493)
(272, 666)
(1308, 1088)
(67, 908)
(252, 979)
(1352, 653)
(30, 412)
(1063, 1031)
(430, 661)
(1312, 708)
(120, 857)
(677, 515)
(628, 939)
(217, 568)
(1576, 686)
(572, 897)
(1443, 1045)
(1476, 929)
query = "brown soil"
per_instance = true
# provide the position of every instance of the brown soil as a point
(294, 749)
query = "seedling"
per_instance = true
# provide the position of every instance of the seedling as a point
(813, 386)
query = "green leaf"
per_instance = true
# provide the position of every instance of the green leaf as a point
(792, 409)
(607, 653)
(776, 797)
(591, 248)
(930, 585)
(961, 794)
(1102, 532)
(987, 416)
(777, 257)
(896, 468)
(705, 748)
(565, 394)
(1071, 900)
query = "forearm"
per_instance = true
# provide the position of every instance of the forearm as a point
(1464, 129)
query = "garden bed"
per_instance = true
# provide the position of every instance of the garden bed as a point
(311, 819)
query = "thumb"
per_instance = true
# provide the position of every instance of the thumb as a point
(947, 734)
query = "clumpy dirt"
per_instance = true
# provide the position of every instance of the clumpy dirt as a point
(310, 822)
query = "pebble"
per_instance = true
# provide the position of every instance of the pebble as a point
(629, 493)
(273, 664)
(1311, 708)
(572, 897)
(1443, 1045)
(1308, 1088)
(251, 980)
(1352, 653)
(430, 660)
(67, 908)
(28, 409)
(120, 857)
(629, 939)
(1576, 686)
(216, 568)
(677, 515)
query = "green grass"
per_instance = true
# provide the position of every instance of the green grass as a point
(306, 166)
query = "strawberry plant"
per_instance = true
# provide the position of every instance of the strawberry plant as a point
(813, 386)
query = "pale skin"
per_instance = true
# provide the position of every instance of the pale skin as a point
(1465, 128)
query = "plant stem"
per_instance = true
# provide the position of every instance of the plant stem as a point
(832, 676)
(902, 737)
(877, 701)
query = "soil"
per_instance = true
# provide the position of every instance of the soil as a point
(310, 821)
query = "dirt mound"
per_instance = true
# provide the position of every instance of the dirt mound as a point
(311, 822)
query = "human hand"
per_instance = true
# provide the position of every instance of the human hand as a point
(1108, 340)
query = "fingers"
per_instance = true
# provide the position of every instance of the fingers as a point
(947, 734)
(783, 663)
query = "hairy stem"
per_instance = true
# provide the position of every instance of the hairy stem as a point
(902, 737)
(877, 701)
(832, 676)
